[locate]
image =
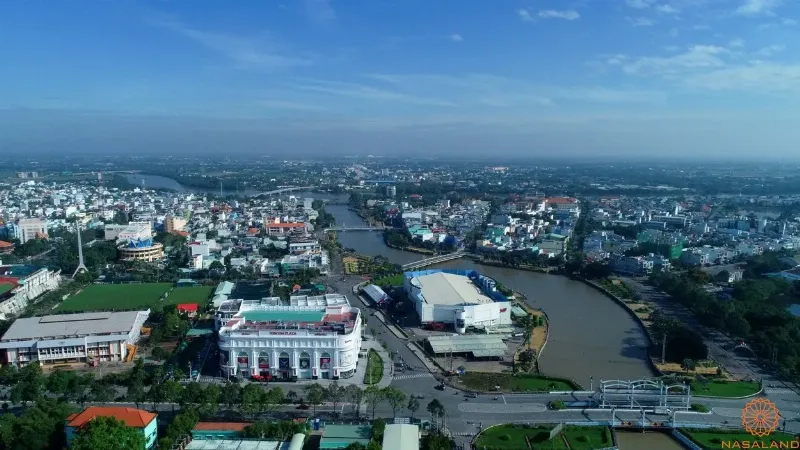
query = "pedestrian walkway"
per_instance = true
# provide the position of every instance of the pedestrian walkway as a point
(412, 376)
(778, 391)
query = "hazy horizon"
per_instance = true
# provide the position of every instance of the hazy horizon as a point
(642, 79)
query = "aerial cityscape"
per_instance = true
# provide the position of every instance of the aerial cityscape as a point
(400, 225)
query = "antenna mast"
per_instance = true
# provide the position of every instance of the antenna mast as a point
(81, 265)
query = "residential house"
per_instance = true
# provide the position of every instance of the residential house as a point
(144, 421)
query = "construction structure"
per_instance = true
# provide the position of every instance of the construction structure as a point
(645, 394)
(81, 265)
(73, 338)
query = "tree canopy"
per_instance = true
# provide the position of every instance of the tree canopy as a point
(108, 433)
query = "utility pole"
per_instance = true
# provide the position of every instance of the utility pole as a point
(663, 347)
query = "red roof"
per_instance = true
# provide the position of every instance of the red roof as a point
(287, 225)
(187, 307)
(4, 244)
(220, 426)
(131, 417)
(561, 200)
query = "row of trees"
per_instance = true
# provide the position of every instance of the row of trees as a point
(757, 314)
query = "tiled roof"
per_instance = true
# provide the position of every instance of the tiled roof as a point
(131, 417)
(220, 426)
(4, 244)
(286, 225)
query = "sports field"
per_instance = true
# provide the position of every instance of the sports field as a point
(127, 297)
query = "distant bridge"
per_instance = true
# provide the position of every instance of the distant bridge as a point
(287, 189)
(343, 228)
(434, 260)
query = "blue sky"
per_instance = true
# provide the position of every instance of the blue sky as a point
(616, 77)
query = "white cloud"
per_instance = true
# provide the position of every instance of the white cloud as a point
(320, 11)
(757, 76)
(696, 57)
(736, 43)
(771, 50)
(640, 21)
(525, 15)
(569, 14)
(639, 4)
(667, 9)
(758, 7)
(455, 37)
(246, 52)
(364, 92)
(497, 91)
(289, 105)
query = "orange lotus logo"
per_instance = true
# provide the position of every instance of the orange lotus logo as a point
(760, 417)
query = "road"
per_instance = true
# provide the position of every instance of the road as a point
(739, 364)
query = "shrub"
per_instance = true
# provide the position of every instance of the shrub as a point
(582, 438)
(504, 437)
(699, 407)
(605, 436)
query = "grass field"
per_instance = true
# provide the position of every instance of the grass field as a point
(128, 297)
(713, 439)
(513, 437)
(394, 280)
(374, 371)
(5, 287)
(725, 388)
(198, 294)
(485, 381)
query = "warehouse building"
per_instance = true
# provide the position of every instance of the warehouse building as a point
(463, 298)
(376, 294)
(308, 338)
(67, 338)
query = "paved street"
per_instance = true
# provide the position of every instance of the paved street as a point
(720, 346)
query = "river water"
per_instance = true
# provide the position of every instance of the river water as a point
(590, 335)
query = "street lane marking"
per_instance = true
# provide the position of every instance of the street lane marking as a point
(491, 408)
(504, 400)
(778, 391)
(409, 377)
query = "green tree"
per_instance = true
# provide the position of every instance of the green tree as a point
(315, 394)
(251, 398)
(373, 395)
(108, 433)
(173, 392)
(413, 405)
(395, 397)
(102, 392)
(210, 400)
(30, 384)
(354, 395)
(232, 393)
(334, 394)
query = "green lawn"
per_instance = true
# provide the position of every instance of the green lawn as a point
(725, 388)
(5, 287)
(712, 439)
(484, 381)
(394, 280)
(374, 371)
(513, 437)
(196, 294)
(115, 297)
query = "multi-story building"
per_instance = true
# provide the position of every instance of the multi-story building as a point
(632, 265)
(173, 223)
(280, 229)
(66, 338)
(28, 229)
(21, 283)
(309, 338)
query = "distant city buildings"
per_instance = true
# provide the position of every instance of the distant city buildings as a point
(28, 229)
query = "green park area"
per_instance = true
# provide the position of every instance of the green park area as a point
(374, 371)
(129, 297)
(390, 281)
(485, 381)
(719, 388)
(525, 437)
(713, 439)
(5, 287)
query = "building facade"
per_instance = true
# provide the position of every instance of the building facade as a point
(28, 229)
(67, 338)
(280, 229)
(28, 282)
(310, 338)
(463, 298)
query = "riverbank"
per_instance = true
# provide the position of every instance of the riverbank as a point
(527, 268)
(421, 251)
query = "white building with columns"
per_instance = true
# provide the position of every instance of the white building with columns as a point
(308, 338)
